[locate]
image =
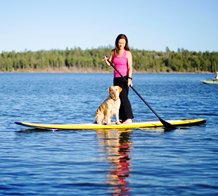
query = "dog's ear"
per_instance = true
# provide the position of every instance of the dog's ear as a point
(120, 89)
(109, 89)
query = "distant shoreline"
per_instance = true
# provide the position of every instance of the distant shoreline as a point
(91, 71)
(90, 61)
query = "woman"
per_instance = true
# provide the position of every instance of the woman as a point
(121, 57)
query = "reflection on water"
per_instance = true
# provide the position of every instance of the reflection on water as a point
(115, 146)
(182, 162)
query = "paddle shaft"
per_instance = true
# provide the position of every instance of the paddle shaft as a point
(167, 125)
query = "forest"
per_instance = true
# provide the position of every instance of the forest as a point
(90, 60)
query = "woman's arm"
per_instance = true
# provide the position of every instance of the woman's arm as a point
(129, 59)
(105, 59)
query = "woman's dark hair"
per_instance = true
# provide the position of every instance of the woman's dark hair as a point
(122, 36)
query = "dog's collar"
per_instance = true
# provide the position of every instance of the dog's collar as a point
(113, 98)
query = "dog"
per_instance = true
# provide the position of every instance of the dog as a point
(109, 107)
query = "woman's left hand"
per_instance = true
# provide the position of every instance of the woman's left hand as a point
(129, 82)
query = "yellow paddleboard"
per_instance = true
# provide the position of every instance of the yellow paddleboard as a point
(91, 126)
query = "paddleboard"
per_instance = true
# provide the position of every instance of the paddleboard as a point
(90, 126)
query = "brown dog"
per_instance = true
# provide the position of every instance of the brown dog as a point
(109, 107)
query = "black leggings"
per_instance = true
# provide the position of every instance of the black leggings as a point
(125, 107)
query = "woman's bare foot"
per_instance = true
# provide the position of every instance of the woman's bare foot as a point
(118, 122)
(128, 121)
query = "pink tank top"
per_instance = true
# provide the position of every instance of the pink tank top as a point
(121, 64)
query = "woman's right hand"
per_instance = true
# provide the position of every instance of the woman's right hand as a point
(105, 59)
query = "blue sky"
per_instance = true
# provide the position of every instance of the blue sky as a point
(149, 24)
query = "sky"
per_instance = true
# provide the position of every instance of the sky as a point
(149, 24)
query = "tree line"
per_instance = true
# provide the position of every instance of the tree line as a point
(91, 59)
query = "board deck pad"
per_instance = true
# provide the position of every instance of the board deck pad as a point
(91, 126)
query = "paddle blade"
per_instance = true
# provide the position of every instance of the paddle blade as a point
(167, 126)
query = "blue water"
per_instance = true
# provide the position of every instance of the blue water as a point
(134, 162)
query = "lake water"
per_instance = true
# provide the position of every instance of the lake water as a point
(134, 162)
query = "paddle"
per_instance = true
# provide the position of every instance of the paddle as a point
(167, 126)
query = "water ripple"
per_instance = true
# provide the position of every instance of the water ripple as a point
(134, 162)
